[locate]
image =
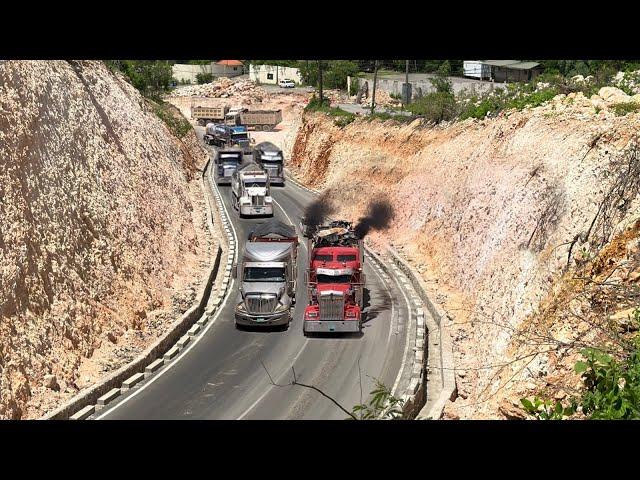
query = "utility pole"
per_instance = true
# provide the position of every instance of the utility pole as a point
(406, 81)
(320, 80)
(373, 95)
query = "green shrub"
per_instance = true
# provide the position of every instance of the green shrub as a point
(178, 125)
(151, 77)
(435, 107)
(204, 78)
(354, 86)
(621, 109)
(611, 385)
(315, 105)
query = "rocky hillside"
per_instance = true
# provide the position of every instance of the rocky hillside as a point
(492, 212)
(102, 231)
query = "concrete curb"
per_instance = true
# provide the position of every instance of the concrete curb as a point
(440, 366)
(85, 399)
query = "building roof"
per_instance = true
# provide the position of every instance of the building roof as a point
(499, 63)
(523, 65)
(230, 63)
(515, 64)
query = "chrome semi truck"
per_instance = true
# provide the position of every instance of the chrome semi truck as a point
(270, 157)
(251, 192)
(267, 273)
(226, 163)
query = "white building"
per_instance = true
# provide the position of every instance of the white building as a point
(271, 74)
(476, 69)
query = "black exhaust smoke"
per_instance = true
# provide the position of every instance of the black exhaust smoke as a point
(378, 217)
(318, 211)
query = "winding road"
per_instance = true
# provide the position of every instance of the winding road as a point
(220, 374)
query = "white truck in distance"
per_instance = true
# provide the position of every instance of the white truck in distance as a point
(251, 191)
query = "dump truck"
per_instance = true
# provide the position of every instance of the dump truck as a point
(335, 280)
(226, 163)
(255, 119)
(251, 192)
(204, 115)
(227, 136)
(268, 273)
(270, 157)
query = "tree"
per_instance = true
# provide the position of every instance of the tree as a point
(441, 82)
(335, 73)
(373, 95)
(150, 77)
(204, 78)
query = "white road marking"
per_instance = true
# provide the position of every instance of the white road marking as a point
(304, 345)
(193, 344)
(261, 397)
(406, 341)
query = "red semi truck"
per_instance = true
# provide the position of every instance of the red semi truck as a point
(335, 280)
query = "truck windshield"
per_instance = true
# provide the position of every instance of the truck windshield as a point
(272, 159)
(239, 136)
(334, 278)
(264, 274)
(254, 183)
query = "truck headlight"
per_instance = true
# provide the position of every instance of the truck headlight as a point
(281, 308)
(240, 307)
(268, 200)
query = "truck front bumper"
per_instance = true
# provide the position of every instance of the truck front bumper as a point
(267, 319)
(276, 180)
(330, 326)
(251, 210)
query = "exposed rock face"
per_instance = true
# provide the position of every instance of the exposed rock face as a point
(488, 211)
(100, 223)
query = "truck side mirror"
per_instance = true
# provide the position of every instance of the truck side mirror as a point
(234, 270)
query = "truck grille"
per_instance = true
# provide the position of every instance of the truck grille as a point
(331, 306)
(257, 200)
(272, 171)
(261, 303)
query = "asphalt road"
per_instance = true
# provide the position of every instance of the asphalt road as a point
(220, 374)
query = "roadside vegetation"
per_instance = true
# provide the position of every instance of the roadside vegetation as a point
(560, 77)
(341, 117)
(152, 78)
(177, 124)
(611, 384)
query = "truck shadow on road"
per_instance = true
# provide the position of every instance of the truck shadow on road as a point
(262, 329)
(371, 312)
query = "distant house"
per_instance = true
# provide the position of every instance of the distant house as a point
(227, 68)
(272, 74)
(502, 70)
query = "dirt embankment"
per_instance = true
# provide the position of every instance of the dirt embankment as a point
(103, 240)
(488, 211)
